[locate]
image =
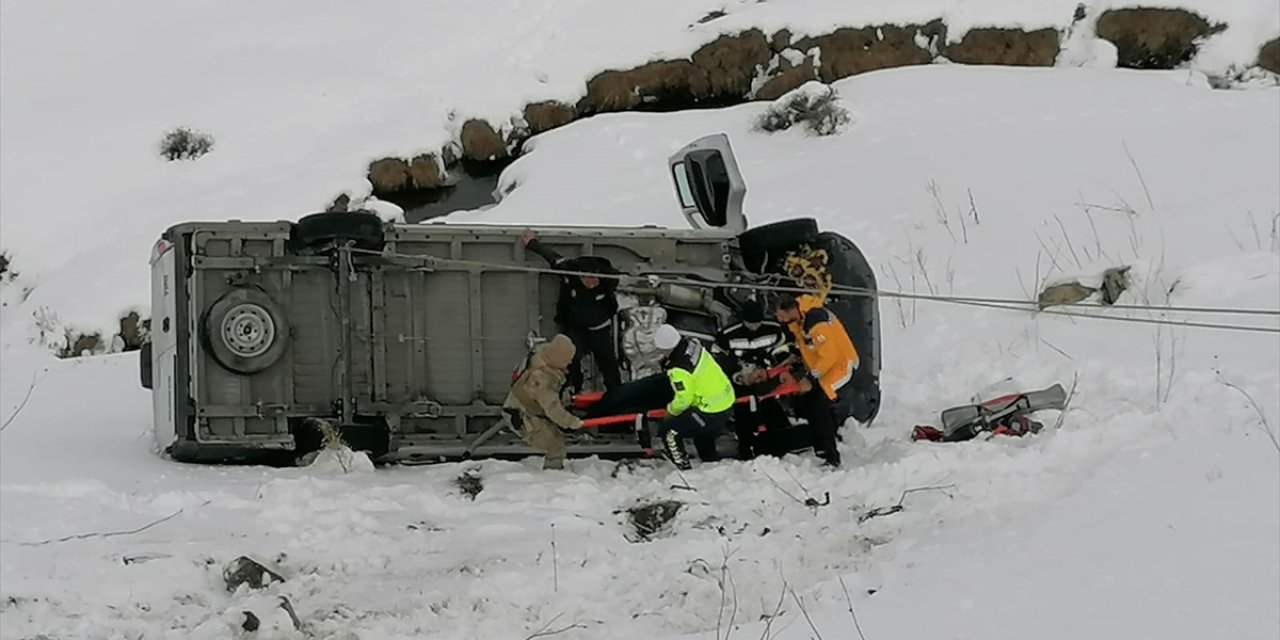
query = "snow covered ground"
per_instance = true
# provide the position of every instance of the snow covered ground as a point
(300, 96)
(1153, 511)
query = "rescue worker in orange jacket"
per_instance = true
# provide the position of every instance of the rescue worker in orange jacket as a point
(535, 405)
(829, 355)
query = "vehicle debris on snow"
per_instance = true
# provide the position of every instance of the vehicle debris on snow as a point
(245, 571)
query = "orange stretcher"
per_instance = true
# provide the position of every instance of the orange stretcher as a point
(583, 400)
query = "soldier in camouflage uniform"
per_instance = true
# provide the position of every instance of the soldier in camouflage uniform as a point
(535, 406)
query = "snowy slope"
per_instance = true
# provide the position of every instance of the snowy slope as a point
(1070, 172)
(301, 96)
(1151, 512)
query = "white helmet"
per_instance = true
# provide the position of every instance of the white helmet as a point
(666, 337)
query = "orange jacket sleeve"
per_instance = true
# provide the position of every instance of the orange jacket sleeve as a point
(827, 354)
(833, 358)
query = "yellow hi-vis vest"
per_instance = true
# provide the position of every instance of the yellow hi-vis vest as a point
(697, 380)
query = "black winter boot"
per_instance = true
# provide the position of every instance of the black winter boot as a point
(674, 446)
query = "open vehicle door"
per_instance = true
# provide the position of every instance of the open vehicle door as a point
(709, 186)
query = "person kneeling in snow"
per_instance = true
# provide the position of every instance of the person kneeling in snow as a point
(534, 405)
(703, 396)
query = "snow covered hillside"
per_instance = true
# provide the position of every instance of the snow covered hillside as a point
(1151, 511)
(300, 97)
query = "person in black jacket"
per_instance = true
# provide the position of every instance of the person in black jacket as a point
(585, 310)
(747, 350)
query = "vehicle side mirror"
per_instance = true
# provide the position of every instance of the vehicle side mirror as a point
(709, 180)
(708, 184)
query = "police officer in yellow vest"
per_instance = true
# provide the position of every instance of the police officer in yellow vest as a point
(703, 397)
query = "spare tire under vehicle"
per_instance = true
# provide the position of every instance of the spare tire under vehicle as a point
(362, 228)
(860, 314)
(764, 247)
(245, 330)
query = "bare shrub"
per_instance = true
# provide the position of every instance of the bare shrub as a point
(813, 105)
(46, 321)
(332, 440)
(185, 144)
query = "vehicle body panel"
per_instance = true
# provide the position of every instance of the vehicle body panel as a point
(416, 342)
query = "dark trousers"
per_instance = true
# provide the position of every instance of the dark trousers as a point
(746, 425)
(650, 392)
(820, 412)
(701, 427)
(599, 343)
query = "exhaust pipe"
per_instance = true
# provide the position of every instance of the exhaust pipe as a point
(684, 297)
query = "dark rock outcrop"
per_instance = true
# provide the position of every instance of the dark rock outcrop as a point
(544, 116)
(80, 344)
(675, 81)
(847, 52)
(390, 175)
(340, 204)
(1269, 56)
(132, 328)
(723, 72)
(480, 143)
(718, 73)
(1012, 47)
(781, 41)
(730, 62)
(780, 84)
(1154, 38)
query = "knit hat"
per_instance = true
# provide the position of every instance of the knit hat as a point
(666, 337)
(751, 311)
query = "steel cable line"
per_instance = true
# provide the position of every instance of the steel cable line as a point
(1162, 321)
(982, 302)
